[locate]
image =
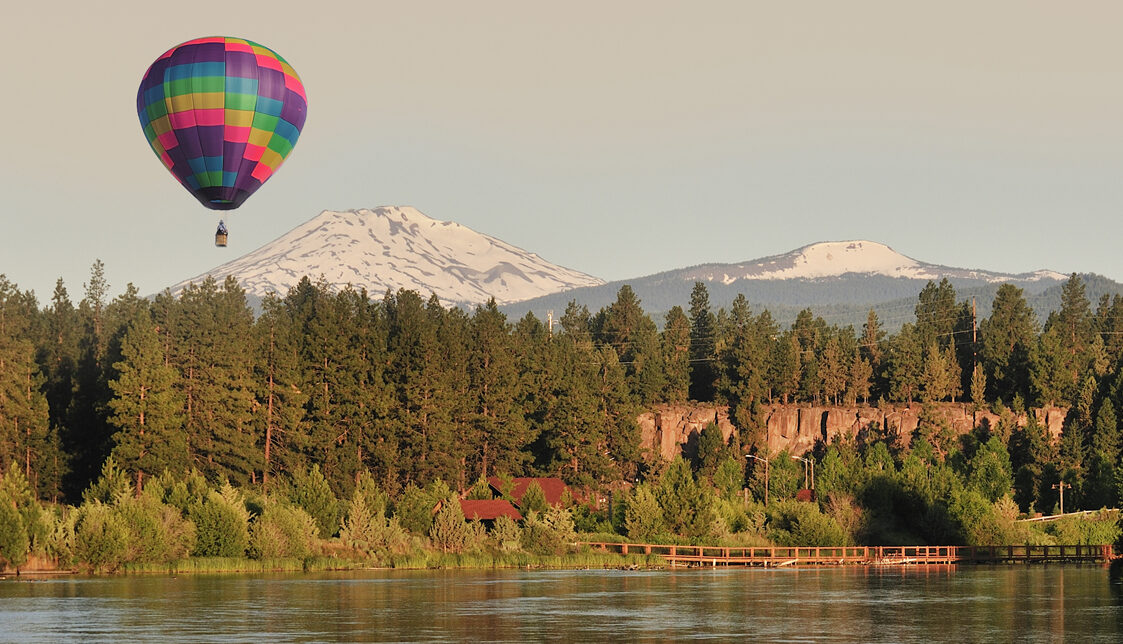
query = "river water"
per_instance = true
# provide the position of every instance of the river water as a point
(1036, 603)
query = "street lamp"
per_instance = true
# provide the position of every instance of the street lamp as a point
(808, 463)
(766, 466)
(1060, 486)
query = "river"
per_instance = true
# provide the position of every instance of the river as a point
(1042, 603)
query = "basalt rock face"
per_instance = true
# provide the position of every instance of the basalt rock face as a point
(673, 429)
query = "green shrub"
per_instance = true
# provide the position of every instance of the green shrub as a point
(533, 498)
(792, 523)
(221, 527)
(182, 494)
(283, 530)
(158, 533)
(311, 491)
(415, 510)
(643, 517)
(449, 532)
(14, 544)
(506, 534)
(549, 533)
(101, 537)
(113, 484)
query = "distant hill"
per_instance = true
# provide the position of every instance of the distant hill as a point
(399, 247)
(840, 281)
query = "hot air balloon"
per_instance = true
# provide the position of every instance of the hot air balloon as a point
(221, 114)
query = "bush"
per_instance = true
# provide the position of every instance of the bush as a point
(14, 544)
(792, 523)
(643, 518)
(221, 527)
(361, 528)
(101, 537)
(449, 532)
(551, 533)
(157, 533)
(113, 484)
(506, 533)
(415, 507)
(533, 498)
(312, 492)
(283, 530)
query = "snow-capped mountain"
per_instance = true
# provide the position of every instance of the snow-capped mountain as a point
(842, 280)
(835, 259)
(395, 248)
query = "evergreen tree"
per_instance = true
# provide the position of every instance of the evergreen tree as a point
(633, 335)
(703, 336)
(675, 342)
(905, 360)
(26, 437)
(643, 517)
(833, 370)
(940, 379)
(936, 314)
(1008, 336)
(87, 435)
(499, 430)
(872, 346)
(1069, 346)
(278, 390)
(687, 506)
(784, 371)
(209, 344)
(147, 407)
(859, 380)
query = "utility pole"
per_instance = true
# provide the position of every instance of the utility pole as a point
(550, 323)
(1061, 486)
(974, 340)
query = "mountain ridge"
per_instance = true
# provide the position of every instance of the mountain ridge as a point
(396, 247)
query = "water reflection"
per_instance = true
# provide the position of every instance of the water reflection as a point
(916, 604)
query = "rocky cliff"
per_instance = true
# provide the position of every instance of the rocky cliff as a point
(797, 428)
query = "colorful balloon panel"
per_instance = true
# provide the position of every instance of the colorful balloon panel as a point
(222, 114)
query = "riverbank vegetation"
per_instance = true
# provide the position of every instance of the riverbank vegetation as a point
(336, 429)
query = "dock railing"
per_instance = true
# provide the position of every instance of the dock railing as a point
(857, 555)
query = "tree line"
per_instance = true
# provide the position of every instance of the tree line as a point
(415, 392)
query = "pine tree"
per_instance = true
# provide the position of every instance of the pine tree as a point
(147, 407)
(675, 342)
(209, 343)
(279, 394)
(1007, 337)
(87, 435)
(703, 335)
(784, 370)
(499, 430)
(978, 387)
(905, 362)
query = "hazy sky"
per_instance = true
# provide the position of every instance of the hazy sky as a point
(616, 138)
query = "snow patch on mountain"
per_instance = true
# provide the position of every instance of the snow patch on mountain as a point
(398, 248)
(835, 259)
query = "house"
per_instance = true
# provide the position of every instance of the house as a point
(486, 511)
(553, 488)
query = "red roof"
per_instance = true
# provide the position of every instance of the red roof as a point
(552, 487)
(488, 509)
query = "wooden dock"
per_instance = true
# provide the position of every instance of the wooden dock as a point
(677, 555)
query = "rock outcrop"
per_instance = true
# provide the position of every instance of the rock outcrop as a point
(797, 428)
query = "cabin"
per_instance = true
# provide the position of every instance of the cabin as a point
(553, 488)
(486, 511)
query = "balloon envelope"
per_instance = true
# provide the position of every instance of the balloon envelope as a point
(222, 114)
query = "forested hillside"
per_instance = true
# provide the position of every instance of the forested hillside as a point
(414, 392)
